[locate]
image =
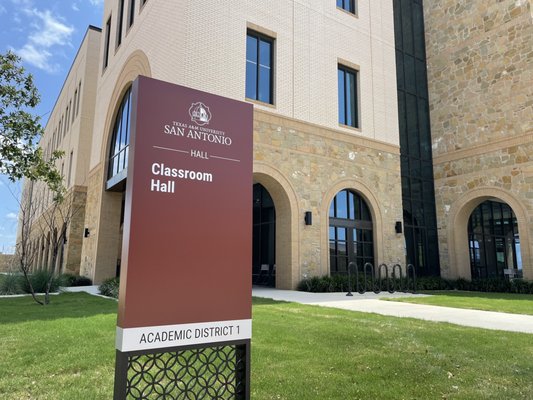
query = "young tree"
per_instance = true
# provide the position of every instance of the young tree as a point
(20, 130)
(20, 155)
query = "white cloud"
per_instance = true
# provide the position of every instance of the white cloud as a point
(12, 216)
(47, 32)
(53, 32)
(75, 7)
(2, 9)
(96, 2)
(37, 57)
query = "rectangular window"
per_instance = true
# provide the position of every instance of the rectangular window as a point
(259, 67)
(120, 21)
(78, 102)
(67, 118)
(348, 106)
(70, 167)
(74, 103)
(131, 18)
(106, 44)
(348, 5)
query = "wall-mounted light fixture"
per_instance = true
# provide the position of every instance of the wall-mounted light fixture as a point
(86, 233)
(308, 218)
(398, 227)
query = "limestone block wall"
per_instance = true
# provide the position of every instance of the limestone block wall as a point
(309, 165)
(7, 263)
(480, 73)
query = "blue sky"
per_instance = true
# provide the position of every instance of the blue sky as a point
(46, 35)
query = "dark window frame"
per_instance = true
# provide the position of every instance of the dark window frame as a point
(120, 22)
(107, 42)
(119, 144)
(485, 229)
(357, 240)
(259, 37)
(348, 6)
(344, 113)
(131, 14)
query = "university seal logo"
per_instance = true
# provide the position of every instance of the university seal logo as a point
(200, 113)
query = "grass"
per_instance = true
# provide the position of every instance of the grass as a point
(66, 351)
(500, 302)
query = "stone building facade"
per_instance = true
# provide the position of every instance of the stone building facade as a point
(303, 156)
(480, 74)
(310, 157)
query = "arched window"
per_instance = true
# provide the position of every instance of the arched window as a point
(119, 145)
(494, 241)
(350, 232)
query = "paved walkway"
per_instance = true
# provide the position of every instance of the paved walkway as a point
(370, 303)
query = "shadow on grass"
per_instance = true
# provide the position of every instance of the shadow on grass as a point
(262, 301)
(64, 305)
(480, 295)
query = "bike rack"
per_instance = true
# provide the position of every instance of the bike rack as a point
(397, 278)
(350, 277)
(380, 278)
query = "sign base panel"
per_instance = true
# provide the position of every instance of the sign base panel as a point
(213, 371)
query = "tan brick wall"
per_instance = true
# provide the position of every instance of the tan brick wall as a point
(304, 166)
(203, 45)
(301, 154)
(480, 72)
(7, 263)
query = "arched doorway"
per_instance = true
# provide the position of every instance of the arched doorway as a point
(350, 232)
(494, 241)
(264, 237)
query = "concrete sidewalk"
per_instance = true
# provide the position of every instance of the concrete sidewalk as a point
(370, 303)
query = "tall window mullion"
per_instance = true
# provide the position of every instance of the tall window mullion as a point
(347, 87)
(259, 67)
(120, 22)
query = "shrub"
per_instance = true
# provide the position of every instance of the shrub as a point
(75, 280)
(10, 284)
(67, 279)
(40, 279)
(82, 281)
(110, 288)
(339, 283)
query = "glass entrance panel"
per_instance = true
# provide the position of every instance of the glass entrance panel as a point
(494, 241)
(264, 238)
(350, 232)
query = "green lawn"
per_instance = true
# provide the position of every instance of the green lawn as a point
(66, 351)
(501, 302)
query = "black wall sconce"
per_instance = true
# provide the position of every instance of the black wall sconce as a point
(398, 227)
(308, 218)
(86, 233)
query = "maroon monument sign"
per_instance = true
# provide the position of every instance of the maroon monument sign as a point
(186, 254)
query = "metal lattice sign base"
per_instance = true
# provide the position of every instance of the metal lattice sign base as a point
(194, 373)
